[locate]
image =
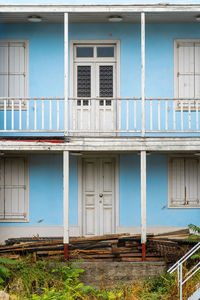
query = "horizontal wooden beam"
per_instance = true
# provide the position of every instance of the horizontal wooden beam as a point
(158, 8)
(123, 144)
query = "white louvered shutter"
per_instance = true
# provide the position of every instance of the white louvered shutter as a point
(14, 189)
(191, 181)
(13, 69)
(177, 192)
(2, 199)
(186, 69)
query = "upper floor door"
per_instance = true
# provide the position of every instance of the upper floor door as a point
(94, 76)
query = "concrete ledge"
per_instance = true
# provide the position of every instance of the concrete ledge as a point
(113, 273)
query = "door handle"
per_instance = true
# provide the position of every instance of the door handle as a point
(100, 195)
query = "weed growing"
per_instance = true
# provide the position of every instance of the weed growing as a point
(48, 280)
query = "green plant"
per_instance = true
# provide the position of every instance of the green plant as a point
(4, 270)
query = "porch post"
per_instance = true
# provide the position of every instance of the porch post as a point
(143, 71)
(66, 202)
(66, 42)
(143, 202)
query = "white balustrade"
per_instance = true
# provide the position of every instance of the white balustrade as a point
(100, 116)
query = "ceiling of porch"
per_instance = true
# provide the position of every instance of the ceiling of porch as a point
(49, 18)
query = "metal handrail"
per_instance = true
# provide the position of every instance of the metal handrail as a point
(179, 267)
(184, 258)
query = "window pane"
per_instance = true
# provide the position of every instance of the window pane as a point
(84, 51)
(105, 51)
(84, 81)
(106, 81)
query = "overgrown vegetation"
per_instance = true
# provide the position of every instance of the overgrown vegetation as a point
(28, 279)
(47, 280)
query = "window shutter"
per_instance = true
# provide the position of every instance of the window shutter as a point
(186, 70)
(3, 69)
(197, 70)
(15, 206)
(13, 74)
(2, 199)
(177, 196)
(17, 71)
(191, 181)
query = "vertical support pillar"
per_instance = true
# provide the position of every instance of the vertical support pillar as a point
(66, 80)
(143, 71)
(143, 203)
(66, 202)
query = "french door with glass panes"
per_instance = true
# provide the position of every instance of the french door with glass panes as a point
(94, 71)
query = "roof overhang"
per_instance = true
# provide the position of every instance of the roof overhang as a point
(99, 13)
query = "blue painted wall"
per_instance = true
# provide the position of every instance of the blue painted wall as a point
(47, 71)
(157, 194)
(46, 195)
(46, 191)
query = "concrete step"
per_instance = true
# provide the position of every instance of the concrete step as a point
(195, 295)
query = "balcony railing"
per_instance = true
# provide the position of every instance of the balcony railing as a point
(99, 116)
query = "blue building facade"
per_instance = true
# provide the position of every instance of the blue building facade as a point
(108, 190)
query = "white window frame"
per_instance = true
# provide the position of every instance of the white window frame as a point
(26, 42)
(26, 175)
(74, 60)
(176, 88)
(90, 59)
(169, 171)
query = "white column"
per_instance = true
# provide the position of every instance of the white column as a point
(66, 81)
(143, 196)
(143, 71)
(66, 197)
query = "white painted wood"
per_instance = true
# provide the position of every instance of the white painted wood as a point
(174, 115)
(50, 114)
(183, 180)
(20, 115)
(42, 114)
(197, 114)
(143, 196)
(66, 81)
(127, 115)
(35, 115)
(5, 115)
(176, 181)
(166, 115)
(106, 203)
(135, 115)
(151, 116)
(158, 115)
(58, 114)
(27, 115)
(12, 114)
(192, 181)
(14, 68)
(98, 196)
(143, 71)
(99, 8)
(65, 197)
(94, 117)
(14, 189)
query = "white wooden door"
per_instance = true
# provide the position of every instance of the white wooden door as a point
(94, 77)
(98, 196)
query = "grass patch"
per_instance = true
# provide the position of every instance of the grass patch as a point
(47, 280)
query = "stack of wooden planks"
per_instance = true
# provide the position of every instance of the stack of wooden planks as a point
(115, 247)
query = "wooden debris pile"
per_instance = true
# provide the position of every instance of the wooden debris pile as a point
(115, 247)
